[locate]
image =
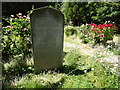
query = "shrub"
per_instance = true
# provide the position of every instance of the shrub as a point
(16, 36)
(70, 30)
(98, 33)
(18, 66)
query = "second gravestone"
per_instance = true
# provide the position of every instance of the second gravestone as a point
(47, 37)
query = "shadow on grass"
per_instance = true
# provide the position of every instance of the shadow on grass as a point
(70, 70)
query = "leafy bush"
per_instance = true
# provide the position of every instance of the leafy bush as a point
(98, 33)
(18, 66)
(70, 30)
(87, 12)
(16, 36)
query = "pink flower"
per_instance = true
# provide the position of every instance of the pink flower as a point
(91, 36)
(71, 22)
(116, 27)
(12, 16)
(93, 29)
(100, 35)
(27, 17)
(11, 19)
(20, 14)
(25, 29)
(99, 31)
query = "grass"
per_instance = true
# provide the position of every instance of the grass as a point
(70, 40)
(78, 71)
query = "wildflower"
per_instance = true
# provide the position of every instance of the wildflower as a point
(86, 32)
(100, 35)
(11, 19)
(105, 25)
(94, 26)
(85, 71)
(25, 29)
(93, 29)
(100, 26)
(109, 25)
(27, 17)
(20, 14)
(99, 31)
(12, 16)
(24, 16)
(116, 27)
(92, 69)
(71, 22)
(10, 27)
(91, 36)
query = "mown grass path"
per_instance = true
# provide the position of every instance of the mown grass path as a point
(103, 55)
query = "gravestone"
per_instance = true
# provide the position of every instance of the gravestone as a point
(47, 37)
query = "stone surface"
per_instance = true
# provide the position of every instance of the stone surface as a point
(47, 37)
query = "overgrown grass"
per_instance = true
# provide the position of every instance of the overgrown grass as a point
(43, 80)
(78, 71)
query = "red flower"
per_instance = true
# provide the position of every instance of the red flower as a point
(100, 35)
(116, 27)
(100, 26)
(109, 25)
(99, 31)
(105, 25)
(93, 29)
(94, 25)
(86, 32)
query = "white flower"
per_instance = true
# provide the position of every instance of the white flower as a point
(92, 69)
(85, 71)
(20, 14)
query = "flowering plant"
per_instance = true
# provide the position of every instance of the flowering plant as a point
(100, 33)
(15, 36)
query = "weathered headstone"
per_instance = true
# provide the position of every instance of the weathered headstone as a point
(47, 37)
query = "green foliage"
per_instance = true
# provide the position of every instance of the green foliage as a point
(18, 66)
(87, 12)
(16, 36)
(77, 82)
(94, 33)
(71, 58)
(70, 30)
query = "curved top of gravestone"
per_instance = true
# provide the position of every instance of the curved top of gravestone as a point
(44, 8)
